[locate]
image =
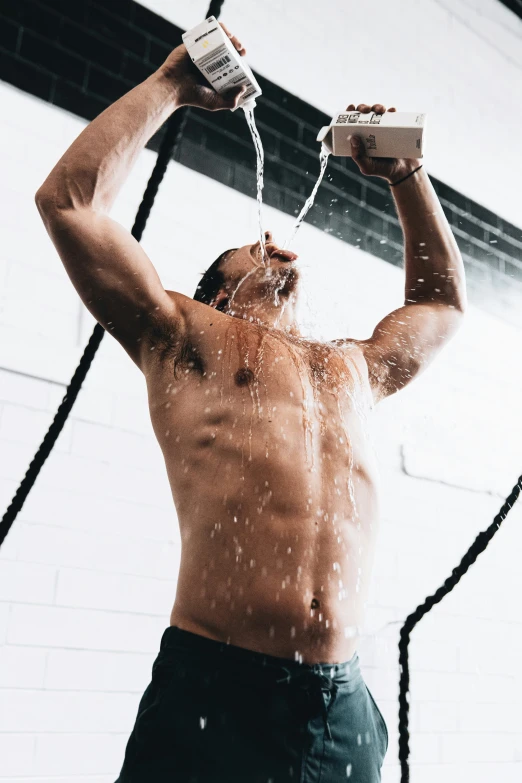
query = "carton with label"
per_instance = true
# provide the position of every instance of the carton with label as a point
(214, 54)
(395, 134)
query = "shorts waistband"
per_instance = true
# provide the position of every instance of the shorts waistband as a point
(174, 638)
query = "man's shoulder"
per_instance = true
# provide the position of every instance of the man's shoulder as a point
(350, 347)
(194, 312)
(200, 321)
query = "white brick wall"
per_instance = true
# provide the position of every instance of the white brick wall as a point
(88, 573)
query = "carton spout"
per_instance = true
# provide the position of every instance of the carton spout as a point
(247, 105)
(325, 136)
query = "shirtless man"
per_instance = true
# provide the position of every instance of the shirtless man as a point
(263, 433)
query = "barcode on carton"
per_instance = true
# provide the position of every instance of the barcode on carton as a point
(217, 64)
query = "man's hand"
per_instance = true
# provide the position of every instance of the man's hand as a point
(390, 169)
(191, 87)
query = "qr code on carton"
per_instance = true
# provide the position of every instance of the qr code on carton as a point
(345, 119)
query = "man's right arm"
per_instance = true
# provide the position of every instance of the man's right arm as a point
(111, 272)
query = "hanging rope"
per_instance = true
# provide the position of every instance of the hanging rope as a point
(174, 130)
(478, 546)
(214, 8)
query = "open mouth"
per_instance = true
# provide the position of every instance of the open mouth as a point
(274, 251)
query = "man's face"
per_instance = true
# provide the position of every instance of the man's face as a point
(250, 281)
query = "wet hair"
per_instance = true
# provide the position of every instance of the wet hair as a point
(212, 280)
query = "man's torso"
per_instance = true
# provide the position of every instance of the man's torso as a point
(274, 480)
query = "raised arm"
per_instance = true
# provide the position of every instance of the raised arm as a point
(112, 274)
(406, 340)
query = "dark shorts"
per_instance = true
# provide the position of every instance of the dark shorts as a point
(215, 713)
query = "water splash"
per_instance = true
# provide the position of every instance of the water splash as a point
(236, 289)
(323, 158)
(260, 156)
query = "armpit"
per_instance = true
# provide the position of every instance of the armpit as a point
(171, 344)
(353, 355)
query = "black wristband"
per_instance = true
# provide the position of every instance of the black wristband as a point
(392, 184)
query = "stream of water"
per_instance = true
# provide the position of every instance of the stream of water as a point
(323, 158)
(260, 165)
(260, 159)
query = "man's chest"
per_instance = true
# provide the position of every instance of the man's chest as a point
(234, 377)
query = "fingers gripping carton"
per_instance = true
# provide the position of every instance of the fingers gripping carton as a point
(213, 53)
(396, 134)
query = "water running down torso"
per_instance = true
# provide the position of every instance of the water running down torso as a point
(278, 539)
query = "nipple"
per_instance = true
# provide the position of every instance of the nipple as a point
(244, 376)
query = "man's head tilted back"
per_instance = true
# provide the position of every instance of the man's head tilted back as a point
(239, 284)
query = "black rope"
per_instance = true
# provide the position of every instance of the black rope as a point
(164, 155)
(174, 130)
(214, 8)
(173, 133)
(478, 546)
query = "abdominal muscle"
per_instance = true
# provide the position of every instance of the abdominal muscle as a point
(291, 606)
(284, 572)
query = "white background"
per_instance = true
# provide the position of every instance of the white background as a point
(88, 573)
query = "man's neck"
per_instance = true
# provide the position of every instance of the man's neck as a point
(281, 318)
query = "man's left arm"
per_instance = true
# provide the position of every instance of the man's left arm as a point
(406, 340)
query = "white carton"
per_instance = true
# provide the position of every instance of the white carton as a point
(395, 134)
(212, 51)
